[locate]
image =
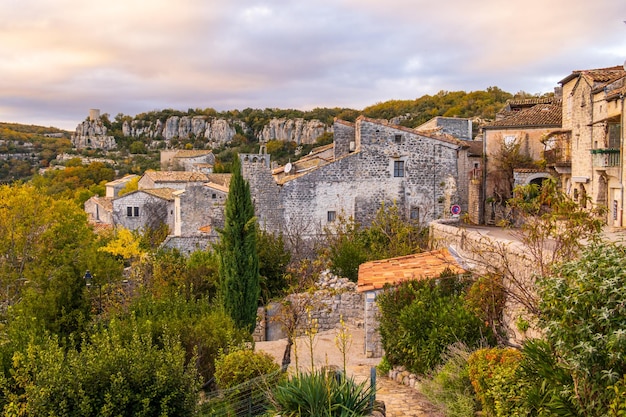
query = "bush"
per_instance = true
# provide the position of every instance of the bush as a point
(583, 317)
(419, 319)
(493, 373)
(241, 366)
(110, 375)
(322, 394)
(450, 387)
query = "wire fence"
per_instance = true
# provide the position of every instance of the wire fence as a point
(248, 399)
(253, 397)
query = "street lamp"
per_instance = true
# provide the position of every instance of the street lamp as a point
(88, 283)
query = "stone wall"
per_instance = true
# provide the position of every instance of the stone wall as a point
(152, 211)
(484, 253)
(199, 206)
(329, 306)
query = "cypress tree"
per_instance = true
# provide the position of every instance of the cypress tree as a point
(239, 260)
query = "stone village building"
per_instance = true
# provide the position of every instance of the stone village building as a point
(370, 163)
(577, 138)
(593, 117)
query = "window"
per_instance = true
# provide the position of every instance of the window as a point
(398, 168)
(214, 196)
(415, 213)
(129, 211)
(614, 130)
(136, 211)
(397, 138)
(331, 216)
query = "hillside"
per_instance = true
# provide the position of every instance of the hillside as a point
(287, 132)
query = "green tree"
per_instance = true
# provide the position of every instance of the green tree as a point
(239, 259)
(46, 246)
(273, 261)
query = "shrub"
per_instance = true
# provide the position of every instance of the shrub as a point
(583, 316)
(322, 394)
(242, 365)
(419, 319)
(450, 387)
(493, 373)
(110, 375)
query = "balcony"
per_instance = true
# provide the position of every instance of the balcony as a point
(605, 157)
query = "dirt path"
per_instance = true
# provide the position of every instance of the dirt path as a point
(400, 401)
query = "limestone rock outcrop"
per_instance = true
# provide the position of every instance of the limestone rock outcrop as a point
(293, 130)
(92, 134)
(215, 130)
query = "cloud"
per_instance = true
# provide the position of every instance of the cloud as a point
(62, 57)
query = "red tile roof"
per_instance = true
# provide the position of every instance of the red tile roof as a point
(176, 176)
(599, 75)
(540, 115)
(375, 274)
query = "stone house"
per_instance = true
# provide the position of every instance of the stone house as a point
(188, 160)
(458, 127)
(200, 208)
(178, 180)
(143, 209)
(593, 117)
(113, 188)
(520, 133)
(374, 276)
(99, 210)
(370, 163)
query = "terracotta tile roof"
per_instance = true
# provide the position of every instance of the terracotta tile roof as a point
(122, 180)
(220, 179)
(616, 94)
(164, 193)
(475, 147)
(375, 274)
(176, 176)
(599, 75)
(184, 153)
(104, 202)
(344, 122)
(541, 115)
(527, 102)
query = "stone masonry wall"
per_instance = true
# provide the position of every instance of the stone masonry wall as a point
(200, 206)
(328, 307)
(485, 253)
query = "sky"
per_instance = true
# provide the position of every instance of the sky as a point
(60, 58)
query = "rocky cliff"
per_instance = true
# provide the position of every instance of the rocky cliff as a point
(92, 134)
(293, 130)
(215, 131)
(221, 131)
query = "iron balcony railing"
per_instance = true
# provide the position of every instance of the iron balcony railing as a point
(605, 157)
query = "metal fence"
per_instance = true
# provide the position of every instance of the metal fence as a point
(252, 398)
(248, 399)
